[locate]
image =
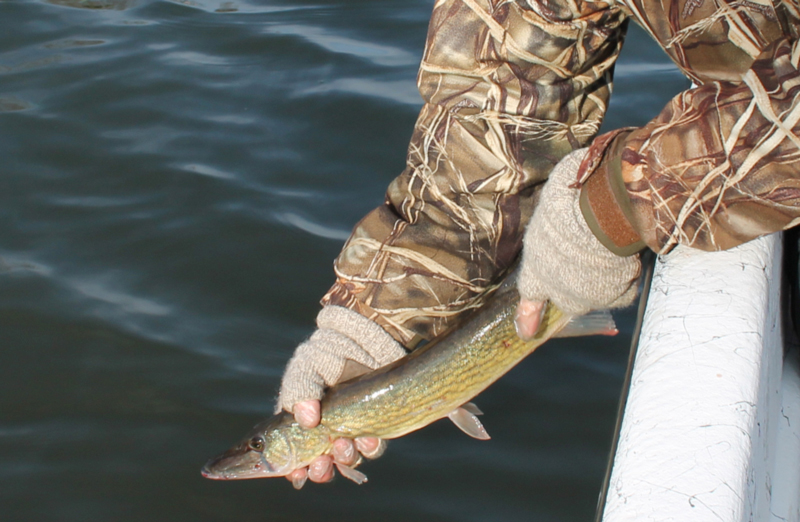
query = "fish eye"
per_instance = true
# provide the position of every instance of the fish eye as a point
(256, 444)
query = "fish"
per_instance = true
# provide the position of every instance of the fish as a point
(434, 381)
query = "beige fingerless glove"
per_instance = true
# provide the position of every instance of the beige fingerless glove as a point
(319, 362)
(562, 259)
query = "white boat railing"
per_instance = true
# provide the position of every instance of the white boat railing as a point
(711, 425)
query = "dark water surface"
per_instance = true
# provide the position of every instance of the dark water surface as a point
(176, 178)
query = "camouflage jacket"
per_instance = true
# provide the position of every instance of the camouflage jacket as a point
(512, 86)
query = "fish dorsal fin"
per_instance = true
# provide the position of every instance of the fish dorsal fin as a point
(468, 422)
(598, 322)
(353, 474)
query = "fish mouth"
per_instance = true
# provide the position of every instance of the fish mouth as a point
(238, 465)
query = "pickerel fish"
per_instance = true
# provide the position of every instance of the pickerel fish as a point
(435, 381)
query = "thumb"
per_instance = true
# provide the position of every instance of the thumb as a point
(528, 318)
(307, 413)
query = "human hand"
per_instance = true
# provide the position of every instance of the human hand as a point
(563, 261)
(344, 346)
(345, 451)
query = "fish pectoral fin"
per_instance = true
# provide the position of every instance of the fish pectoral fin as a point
(472, 408)
(468, 423)
(598, 322)
(353, 474)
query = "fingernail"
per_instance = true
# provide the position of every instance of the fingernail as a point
(344, 451)
(307, 414)
(370, 447)
(319, 468)
(528, 318)
(299, 479)
(304, 418)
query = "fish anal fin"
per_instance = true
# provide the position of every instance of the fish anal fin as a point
(352, 474)
(598, 322)
(468, 423)
(472, 408)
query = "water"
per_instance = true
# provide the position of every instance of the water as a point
(176, 179)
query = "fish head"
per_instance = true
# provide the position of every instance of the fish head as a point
(267, 451)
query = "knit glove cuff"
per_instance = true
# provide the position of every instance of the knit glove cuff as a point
(318, 363)
(562, 259)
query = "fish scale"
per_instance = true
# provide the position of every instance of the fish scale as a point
(440, 377)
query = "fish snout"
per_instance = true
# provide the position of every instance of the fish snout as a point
(241, 462)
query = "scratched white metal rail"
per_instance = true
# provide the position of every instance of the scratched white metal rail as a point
(711, 427)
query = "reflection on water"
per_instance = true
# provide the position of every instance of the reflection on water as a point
(13, 104)
(178, 177)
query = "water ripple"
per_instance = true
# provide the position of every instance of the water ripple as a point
(376, 53)
(400, 91)
(124, 303)
(315, 229)
(193, 58)
(71, 43)
(638, 69)
(228, 7)
(206, 170)
(98, 5)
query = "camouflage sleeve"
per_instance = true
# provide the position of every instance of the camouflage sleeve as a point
(509, 89)
(721, 164)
